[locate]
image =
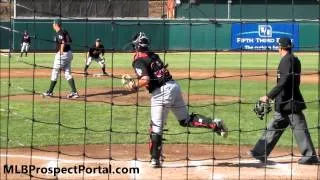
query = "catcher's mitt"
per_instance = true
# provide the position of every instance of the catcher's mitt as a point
(262, 108)
(128, 82)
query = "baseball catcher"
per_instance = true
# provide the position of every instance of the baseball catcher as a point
(96, 53)
(166, 95)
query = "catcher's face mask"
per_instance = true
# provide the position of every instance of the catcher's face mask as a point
(262, 109)
(140, 41)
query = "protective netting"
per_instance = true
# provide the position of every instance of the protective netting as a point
(107, 126)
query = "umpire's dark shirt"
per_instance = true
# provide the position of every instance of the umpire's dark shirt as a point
(287, 95)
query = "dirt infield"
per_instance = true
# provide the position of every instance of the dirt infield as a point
(226, 165)
(310, 77)
(121, 96)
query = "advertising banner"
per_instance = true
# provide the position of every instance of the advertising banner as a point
(262, 36)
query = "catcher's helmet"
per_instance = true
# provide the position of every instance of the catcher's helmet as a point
(140, 41)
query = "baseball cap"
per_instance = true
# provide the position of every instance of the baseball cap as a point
(57, 21)
(285, 43)
(98, 40)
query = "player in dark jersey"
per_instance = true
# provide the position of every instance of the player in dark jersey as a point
(166, 95)
(96, 53)
(25, 43)
(289, 106)
(62, 60)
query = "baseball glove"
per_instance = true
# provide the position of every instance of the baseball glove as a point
(262, 108)
(128, 82)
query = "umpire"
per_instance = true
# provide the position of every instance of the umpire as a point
(289, 104)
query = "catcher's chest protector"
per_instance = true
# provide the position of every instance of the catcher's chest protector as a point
(159, 70)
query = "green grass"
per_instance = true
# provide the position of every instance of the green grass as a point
(48, 122)
(175, 60)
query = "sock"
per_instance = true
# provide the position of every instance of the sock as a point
(21, 54)
(72, 85)
(86, 68)
(104, 69)
(52, 85)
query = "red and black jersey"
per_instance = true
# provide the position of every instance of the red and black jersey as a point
(25, 38)
(150, 64)
(63, 37)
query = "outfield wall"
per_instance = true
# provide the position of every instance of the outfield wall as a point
(249, 9)
(173, 35)
(4, 36)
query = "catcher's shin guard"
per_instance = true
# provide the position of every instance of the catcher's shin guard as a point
(155, 145)
(197, 120)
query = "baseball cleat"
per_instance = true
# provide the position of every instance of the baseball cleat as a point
(155, 163)
(105, 74)
(73, 95)
(256, 156)
(47, 94)
(308, 161)
(221, 129)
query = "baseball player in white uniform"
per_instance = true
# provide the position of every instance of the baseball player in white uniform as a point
(25, 43)
(62, 60)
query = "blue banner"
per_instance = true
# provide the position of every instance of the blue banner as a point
(261, 36)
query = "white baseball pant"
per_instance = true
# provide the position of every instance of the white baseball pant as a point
(25, 47)
(99, 60)
(167, 97)
(62, 62)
